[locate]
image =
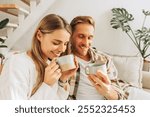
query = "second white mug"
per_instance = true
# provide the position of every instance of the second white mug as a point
(93, 68)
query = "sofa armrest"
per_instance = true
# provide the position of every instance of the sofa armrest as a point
(146, 79)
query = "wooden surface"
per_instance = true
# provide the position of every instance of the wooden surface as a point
(26, 2)
(9, 8)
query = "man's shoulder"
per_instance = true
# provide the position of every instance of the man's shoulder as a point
(101, 53)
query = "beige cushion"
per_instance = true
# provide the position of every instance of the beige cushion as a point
(148, 90)
(146, 80)
(129, 69)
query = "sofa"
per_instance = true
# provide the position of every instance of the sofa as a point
(130, 69)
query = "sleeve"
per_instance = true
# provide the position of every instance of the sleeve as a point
(63, 93)
(46, 92)
(13, 80)
(111, 69)
(16, 83)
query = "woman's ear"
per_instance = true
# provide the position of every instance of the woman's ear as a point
(39, 35)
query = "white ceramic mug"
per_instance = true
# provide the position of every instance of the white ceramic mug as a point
(66, 62)
(93, 68)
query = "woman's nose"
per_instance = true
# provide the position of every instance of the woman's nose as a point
(62, 48)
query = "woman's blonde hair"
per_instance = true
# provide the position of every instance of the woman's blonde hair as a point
(48, 24)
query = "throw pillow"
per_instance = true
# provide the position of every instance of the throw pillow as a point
(129, 68)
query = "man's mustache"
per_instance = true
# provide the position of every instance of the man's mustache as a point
(83, 45)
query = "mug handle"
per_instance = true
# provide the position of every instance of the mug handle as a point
(87, 70)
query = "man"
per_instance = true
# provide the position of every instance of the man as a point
(99, 86)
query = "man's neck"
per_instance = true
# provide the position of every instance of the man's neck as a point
(86, 57)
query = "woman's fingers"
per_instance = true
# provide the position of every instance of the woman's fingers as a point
(54, 68)
(76, 62)
(52, 73)
(57, 75)
(51, 65)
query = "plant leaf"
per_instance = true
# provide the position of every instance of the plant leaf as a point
(3, 23)
(141, 37)
(146, 12)
(1, 56)
(3, 46)
(126, 28)
(116, 23)
(2, 40)
(121, 18)
(122, 15)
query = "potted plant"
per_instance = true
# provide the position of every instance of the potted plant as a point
(3, 23)
(140, 37)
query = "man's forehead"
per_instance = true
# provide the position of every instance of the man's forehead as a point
(84, 25)
(84, 30)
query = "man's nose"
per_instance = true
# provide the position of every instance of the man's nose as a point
(86, 42)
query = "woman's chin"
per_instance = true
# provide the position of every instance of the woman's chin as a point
(54, 56)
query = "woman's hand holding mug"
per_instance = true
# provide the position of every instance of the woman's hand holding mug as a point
(52, 73)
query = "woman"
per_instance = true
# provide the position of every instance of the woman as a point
(35, 74)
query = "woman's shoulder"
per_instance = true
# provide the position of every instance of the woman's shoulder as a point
(19, 63)
(20, 58)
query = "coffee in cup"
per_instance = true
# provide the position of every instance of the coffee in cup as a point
(93, 68)
(66, 62)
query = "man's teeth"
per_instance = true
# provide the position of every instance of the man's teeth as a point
(83, 47)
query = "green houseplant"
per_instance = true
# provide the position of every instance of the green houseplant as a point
(140, 37)
(3, 23)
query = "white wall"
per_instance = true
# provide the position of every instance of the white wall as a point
(106, 38)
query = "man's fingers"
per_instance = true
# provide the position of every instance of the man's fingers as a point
(91, 79)
(99, 81)
(103, 77)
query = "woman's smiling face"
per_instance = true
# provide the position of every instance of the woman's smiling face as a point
(54, 43)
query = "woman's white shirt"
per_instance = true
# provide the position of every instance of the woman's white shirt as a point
(18, 78)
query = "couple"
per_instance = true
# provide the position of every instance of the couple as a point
(28, 76)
